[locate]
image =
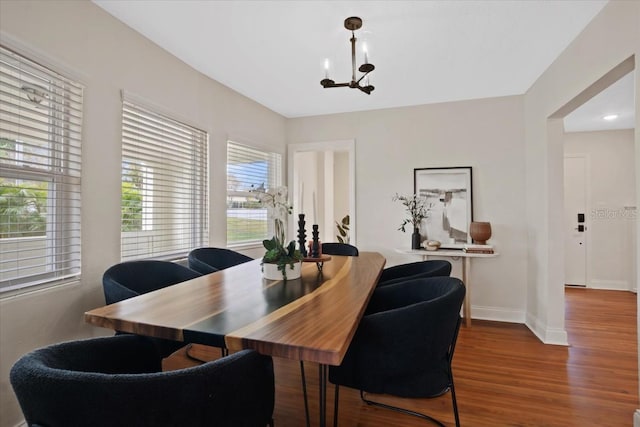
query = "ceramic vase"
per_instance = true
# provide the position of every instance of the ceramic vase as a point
(480, 232)
(415, 239)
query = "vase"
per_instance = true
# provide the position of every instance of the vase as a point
(415, 239)
(271, 272)
(480, 232)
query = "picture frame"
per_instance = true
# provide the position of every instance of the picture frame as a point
(449, 195)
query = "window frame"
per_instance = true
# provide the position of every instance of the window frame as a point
(163, 172)
(42, 109)
(274, 178)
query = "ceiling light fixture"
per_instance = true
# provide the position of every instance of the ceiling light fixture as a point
(352, 24)
(610, 117)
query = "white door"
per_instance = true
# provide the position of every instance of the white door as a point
(575, 220)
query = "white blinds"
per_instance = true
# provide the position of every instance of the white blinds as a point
(247, 167)
(164, 185)
(40, 163)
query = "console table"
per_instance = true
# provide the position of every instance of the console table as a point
(465, 262)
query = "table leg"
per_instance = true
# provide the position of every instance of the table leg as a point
(466, 267)
(323, 394)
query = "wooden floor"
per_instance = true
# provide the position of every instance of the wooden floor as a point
(504, 376)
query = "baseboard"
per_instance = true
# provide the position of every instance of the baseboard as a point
(552, 336)
(636, 418)
(497, 314)
(612, 285)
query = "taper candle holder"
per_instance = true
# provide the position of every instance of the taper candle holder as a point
(315, 251)
(302, 235)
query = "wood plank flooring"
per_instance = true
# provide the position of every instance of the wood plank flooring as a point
(504, 376)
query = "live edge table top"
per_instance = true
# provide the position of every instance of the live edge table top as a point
(312, 318)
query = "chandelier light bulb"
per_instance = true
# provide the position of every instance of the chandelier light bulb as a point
(366, 53)
(326, 68)
(610, 117)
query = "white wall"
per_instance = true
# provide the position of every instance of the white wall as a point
(83, 41)
(612, 37)
(486, 134)
(611, 242)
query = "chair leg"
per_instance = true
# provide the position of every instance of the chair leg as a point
(453, 399)
(304, 393)
(401, 410)
(335, 406)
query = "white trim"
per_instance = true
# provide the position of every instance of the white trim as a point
(636, 418)
(616, 285)
(553, 336)
(498, 314)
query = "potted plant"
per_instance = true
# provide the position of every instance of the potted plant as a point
(281, 260)
(418, 210)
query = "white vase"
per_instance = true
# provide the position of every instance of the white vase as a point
(271, 272)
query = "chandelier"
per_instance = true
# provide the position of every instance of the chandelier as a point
(352, 24)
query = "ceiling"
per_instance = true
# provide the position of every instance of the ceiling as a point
(424, 51)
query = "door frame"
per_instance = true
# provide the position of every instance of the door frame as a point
(345, 145)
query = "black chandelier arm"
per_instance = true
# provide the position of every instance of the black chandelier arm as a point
(327, 83)
(362, 77)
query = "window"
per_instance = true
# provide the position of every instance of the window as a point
(40, 162)
(164, 185)
(247, 167)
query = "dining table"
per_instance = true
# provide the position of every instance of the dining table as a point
(310, 319)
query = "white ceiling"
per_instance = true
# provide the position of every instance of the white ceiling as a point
(424, 51)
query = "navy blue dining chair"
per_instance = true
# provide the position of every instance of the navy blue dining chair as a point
(414, 270)
(209, 260)
(344, 249)
(404, 344)
(132, 278)
(117, 381)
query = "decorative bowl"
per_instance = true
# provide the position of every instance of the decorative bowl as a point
(431, 245)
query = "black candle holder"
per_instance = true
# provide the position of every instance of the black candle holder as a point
(315, 246)
(302, 235)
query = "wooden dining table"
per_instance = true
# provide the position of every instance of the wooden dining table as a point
(312, 318)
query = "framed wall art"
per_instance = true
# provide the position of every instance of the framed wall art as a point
(448, 193)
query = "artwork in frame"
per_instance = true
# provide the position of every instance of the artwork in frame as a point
(449, 195)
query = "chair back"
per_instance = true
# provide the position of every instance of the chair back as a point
(209, 260)
(117, 381)
(133, 278)
(339, 249)
(405, 342)
(414, 270)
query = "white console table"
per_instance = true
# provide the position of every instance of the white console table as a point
(465, 261)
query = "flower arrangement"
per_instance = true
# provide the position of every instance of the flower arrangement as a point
(278, 251)
(416, 207)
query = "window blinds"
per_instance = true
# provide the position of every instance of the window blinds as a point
(249, 168)
(40, 170)
(164, 185)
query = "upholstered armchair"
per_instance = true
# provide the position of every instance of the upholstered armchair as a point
(116, 381)
(414, 270)
(404, 344)
(209, 260)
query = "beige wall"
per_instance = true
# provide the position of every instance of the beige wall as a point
(611, 224)
(487, 135)
(84, 42)
(612, 37)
